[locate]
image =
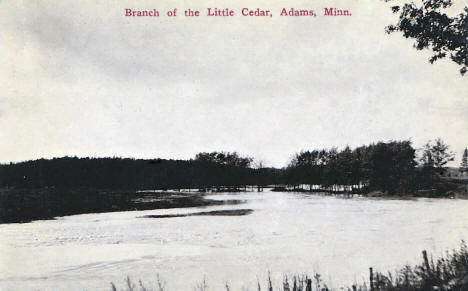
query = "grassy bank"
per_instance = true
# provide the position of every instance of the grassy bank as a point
(24, 205)
(28, 204)
(450, 272)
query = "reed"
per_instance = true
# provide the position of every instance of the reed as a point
(447, 273)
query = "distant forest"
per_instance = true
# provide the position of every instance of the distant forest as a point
(390, 167)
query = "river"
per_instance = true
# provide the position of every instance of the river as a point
(287, 233)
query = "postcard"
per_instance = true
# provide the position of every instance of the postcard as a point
(233, 145)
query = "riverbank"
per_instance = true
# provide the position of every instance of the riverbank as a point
(449, 273)
(25, 205)
(443, 188)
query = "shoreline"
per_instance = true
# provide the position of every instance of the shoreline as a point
(27, 205)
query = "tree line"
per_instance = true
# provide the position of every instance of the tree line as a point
(389, 167)
(205, 171)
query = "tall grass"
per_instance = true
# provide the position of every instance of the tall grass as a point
(449, 272)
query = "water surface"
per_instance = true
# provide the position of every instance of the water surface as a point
(285, 233)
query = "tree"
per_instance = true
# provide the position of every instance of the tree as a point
(301, 169)
(345, 166)
(389, 167)
(225, 158)
(432, 28)
(464, 162)
(436, 155)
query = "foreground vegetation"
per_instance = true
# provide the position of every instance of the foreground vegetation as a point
(449, 272)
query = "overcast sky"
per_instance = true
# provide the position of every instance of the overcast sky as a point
(79, 78)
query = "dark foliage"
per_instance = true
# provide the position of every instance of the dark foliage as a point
(434, 158)
(387, 167)
(224, 158)
(63, 186)
(24, 205)
(120, 173)
(464, 161)
(432, 28)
